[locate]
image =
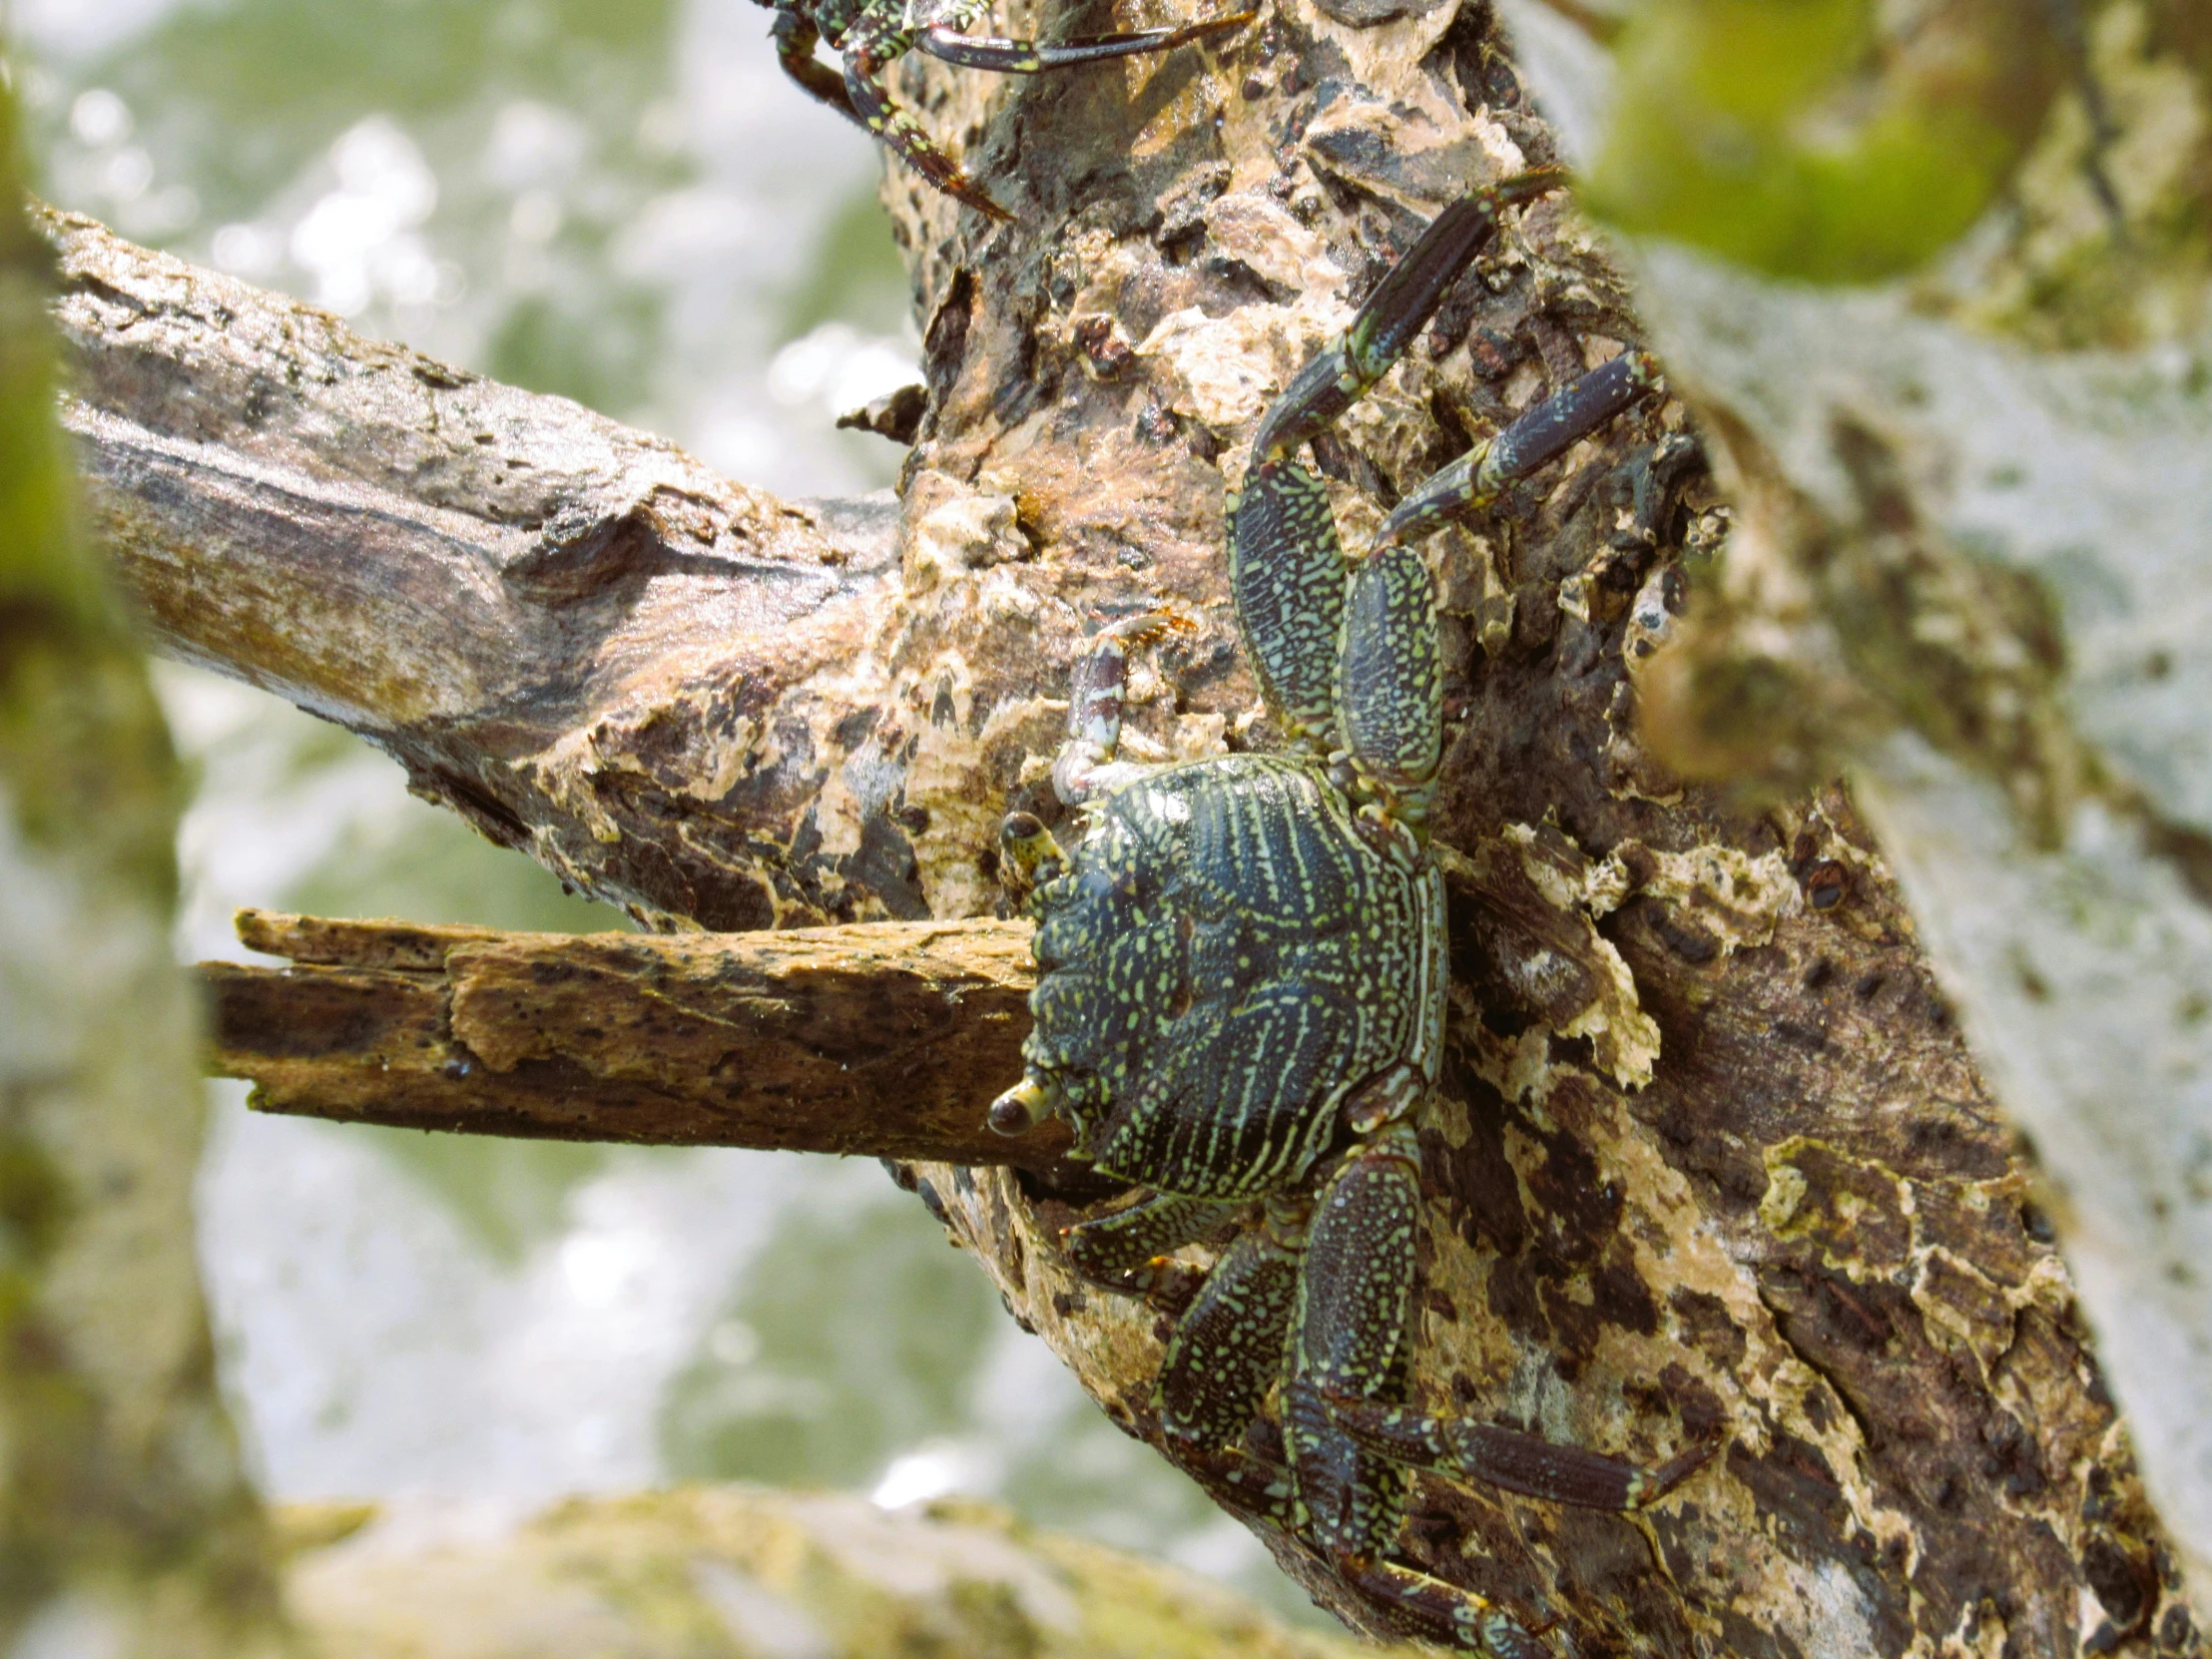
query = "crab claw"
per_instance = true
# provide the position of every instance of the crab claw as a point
(1018, 1110)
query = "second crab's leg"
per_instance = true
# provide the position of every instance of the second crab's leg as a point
(875, 41)
(795, 36)
(1027, 57)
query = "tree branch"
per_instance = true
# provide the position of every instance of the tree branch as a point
(862, 1040)
(554, 622)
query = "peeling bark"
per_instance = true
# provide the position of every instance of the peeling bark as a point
(1714, 1158)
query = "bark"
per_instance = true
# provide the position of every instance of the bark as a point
(1972, 563)
(127, 1526)
(1713, 1157)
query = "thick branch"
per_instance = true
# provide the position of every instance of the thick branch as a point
(556, 623)
(864, 1039)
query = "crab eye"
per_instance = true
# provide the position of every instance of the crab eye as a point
(1017, 1111)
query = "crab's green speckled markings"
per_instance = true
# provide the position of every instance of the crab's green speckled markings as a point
(1242, 973)
(870, 35)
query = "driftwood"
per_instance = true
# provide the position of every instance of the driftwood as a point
(1714, 1158)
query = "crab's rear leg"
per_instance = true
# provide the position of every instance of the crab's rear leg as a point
(1357, 1285)
(1347, 1340)
(1505, 1457)
(1412, 1602)
(1027, 57)
(1108, 1249)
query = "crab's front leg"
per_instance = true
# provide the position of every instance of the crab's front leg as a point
(1086, 764)
(1539, 436)
(1345, 649)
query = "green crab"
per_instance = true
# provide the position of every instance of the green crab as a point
(1241, 983)
(870, 35)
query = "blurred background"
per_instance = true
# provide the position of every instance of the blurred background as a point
(623, 202)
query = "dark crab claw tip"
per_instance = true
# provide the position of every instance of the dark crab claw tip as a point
(1020, 826)
(1017, 1111)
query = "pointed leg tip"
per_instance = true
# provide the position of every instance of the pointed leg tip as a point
(1656, 1483)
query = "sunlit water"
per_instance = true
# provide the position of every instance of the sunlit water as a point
(621, 201)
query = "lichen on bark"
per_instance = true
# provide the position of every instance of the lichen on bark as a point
(1970, 563)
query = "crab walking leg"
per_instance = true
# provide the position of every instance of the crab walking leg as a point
(794, 37)
(1085, 767)
(1027, 56)
(1428, 1609)
(1349, 1321)
(1415, 1604)
(1287, 575)
(1540, 435)
(1390, 687)
(1105, 1247)
(869, 46)
(1339, 374)
(1505, 1457)
(1348, 1327)
(1228, 1347)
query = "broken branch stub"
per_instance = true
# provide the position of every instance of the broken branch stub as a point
(864, 1040)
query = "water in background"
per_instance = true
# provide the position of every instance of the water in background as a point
(621, 201)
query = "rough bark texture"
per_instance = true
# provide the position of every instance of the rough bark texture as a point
(536, 611)
(864, 1039)
(1971, 561)
(1713, 1158)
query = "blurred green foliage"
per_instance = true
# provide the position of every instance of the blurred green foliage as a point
(852, 1338)
(1795, 136)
